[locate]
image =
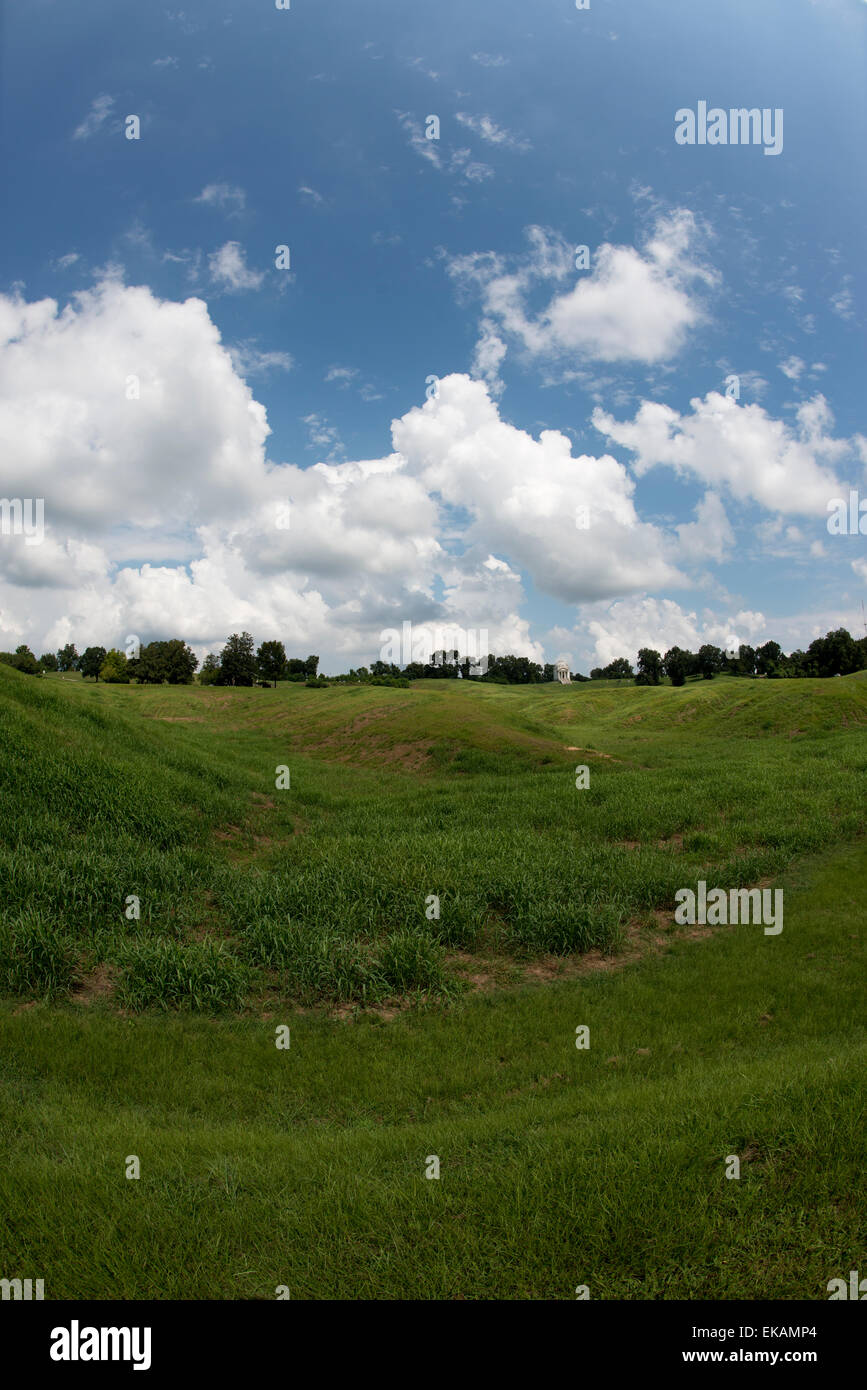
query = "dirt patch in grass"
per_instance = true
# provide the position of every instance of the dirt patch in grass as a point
(228, 834)
(259, 836)
(484, 973)
(541, 1083)
(409, 755)
(651, 934)
(357, 743)
(412, 757)
(368, 716)
(99, 984)
(609, 757)
(243, 844)
(210, 921)
(349, 1012)
(468, 967)
(674, 842)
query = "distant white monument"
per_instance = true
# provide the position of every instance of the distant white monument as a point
(563, 673)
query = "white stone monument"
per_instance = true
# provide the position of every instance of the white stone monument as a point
(563, 673)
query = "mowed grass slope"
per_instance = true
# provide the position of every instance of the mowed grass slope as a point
(305, 1166)
(559, 1167)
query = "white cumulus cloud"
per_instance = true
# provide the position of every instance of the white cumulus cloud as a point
(737, 446)
(630, 305)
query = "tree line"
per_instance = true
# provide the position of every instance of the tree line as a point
(241, 663)
(448, 665)
(838, 653)
(173, 662)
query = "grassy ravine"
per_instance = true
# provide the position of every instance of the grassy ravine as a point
(318, 892)
(263, 1167)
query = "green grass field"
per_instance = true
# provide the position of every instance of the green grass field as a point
(450, 1036)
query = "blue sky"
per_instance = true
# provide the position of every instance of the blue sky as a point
(169, 391)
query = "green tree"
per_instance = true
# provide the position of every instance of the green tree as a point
(746, 662)
(210, 671)
(148, 667)
(442, 665)
(67, 658)
(238, 661)
(179, 662)
(114, 668)
(618, 670)
(649, 667)
(90, 661)
(518, 670)
(768, 657)
(271, 661)
(22, 659)
(835, 654)
(311, 665)
(48, 661)
(677, 663)
(171, 661)
(796, 666)
(710, 661)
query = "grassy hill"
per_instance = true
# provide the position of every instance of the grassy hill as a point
(261, 907)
